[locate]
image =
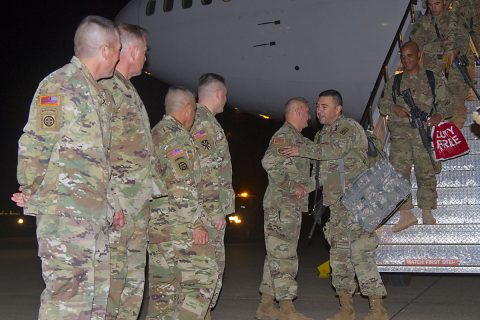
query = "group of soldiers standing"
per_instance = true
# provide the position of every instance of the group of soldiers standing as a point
(105, 189)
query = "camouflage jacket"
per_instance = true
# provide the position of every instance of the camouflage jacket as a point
(345, 139)
(286, 174)
(425, 35)
(63, 152)
(178, 165)
(218, 195)
(422, 95)
(131, 155)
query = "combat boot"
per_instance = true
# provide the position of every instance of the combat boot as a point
(288, 312)
(346, 311)
(428, 217)
(267, 309)
(407, 219)
(377, 310)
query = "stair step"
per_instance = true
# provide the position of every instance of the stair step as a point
(431, 234)
(455, 179)
(454, 196)
(460, 214)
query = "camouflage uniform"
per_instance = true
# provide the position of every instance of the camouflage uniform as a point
(63, 165)
(182, 276)
(424, 34)
(352, 249)
(406, 145)
(283, 213)
(217, 192)
(131, 160)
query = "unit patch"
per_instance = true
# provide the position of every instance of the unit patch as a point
(204, 141)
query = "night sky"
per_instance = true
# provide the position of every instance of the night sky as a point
(39, 40)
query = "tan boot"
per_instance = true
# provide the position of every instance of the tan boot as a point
(267, 309)
(428, 217)
(346, 311)
(288, 312)
(407, 219)
(208, 316)
(377, 310)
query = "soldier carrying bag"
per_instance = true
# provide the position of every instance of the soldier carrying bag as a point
(375, 194)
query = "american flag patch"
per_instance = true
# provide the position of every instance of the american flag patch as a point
(49, 101)
(199, 134)
(175, 153)
(279, 140)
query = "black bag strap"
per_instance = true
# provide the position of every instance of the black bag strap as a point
(397, 80)
(431, 83)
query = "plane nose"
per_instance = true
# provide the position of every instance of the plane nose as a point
(129, 13)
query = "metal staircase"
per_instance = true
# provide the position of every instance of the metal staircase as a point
(453, 245)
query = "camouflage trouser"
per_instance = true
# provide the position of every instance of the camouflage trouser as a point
(182, 279)
(459, 91)
(75, 268)
(128, 255)
(352, 253)
(216, 238)
(282, 229)
(408, 151)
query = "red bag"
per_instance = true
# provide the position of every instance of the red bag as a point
(448, 141)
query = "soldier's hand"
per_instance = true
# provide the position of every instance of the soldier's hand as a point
(400, 111)
(119, 220)
(289, 151)
(300, 192)
(20, 198)
(434, 120)
(219, 224)
(200, 235)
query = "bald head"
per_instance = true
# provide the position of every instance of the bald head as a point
(92, 33)
(410, 56)
(297, 112)
(411, 45)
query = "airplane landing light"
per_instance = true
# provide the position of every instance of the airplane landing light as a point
(20, 221)
(235, 219)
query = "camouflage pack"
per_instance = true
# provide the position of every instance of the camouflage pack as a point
(376, 194)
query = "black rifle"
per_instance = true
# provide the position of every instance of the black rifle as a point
(318, 208)
(417, 121)
(461, 62)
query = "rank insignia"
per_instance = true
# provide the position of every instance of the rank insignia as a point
(344, 131)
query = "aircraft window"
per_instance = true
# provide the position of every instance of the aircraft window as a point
(150, 7)
(167, 5)
(205, 2)
(186, 4)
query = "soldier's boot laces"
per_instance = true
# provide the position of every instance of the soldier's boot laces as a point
(346, 311)
(377, 310)
(428, 217)
(288, 312)
(407, 219)
(267, 309)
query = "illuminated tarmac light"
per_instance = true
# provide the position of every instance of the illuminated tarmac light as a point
(20, 221)
(235, 219)
(243, 195)
(264, 116)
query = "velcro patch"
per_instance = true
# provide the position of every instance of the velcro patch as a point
(48, 118)
(49, 101)
(344, 131)
(279, 140)
(175, 153)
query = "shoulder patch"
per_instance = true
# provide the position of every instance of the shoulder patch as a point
(279, 140)
(200, 134)
(49, 101)
(175, 153)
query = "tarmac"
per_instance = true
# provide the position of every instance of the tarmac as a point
(428, 296)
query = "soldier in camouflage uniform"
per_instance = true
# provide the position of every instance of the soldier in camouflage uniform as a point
(182, 269)
(131, 160)
(63, 172)
(285, 199)
(439, 48)
(352, 251)
(218, 196)
(406, 145)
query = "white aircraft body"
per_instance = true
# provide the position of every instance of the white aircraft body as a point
(270, 50)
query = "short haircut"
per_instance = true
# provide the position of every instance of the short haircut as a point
(176, 98)
(131, 34)
(290, 104)
(92, 32)
(411, 43)
(336, 96)
(209, 81)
